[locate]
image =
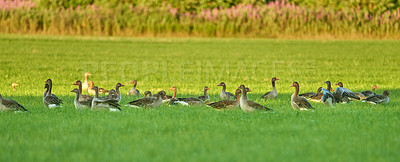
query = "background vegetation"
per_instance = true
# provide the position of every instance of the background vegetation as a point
(230, 18)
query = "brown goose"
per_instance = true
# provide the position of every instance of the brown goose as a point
(308, 95)
(152, 102)
(227, 104)
(134, 91)
(85, 85)
(13, 85)
(366, 94)
(81, 96)
(299, 103)
(81, 104)
(90, 90)
(104, 103)
(118, 92)
(50, 100)
(378, 99)
(205, 97)
(245, 104)
(190, 100)
(343, 94)
(225, 95)
(147, 93)
(10, 105)
(271, 95)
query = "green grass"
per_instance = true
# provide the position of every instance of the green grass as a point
(351, 132)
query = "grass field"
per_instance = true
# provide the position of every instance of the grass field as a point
(351, 132)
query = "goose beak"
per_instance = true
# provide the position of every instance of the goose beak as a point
(219, 85)
(75, 83)
(170, 89)
(276, 79)
(332, 89)
(208, 88)
(122, 85)
(131, 82)
(71, 91)
(249, 90)
(292, 85)
(377, 87)
(337, 84)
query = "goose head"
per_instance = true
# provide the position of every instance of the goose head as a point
(274, 79)
(340, 84)
(375, 87)
(386, 93)
(76, 90)
(221, 84)
(13, 85)
(77, 83)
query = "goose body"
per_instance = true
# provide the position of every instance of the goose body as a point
(327, 98)
(343, 94)
(365, 94)
(80, 104)
(271, 95)
(378, 99)
(227, 104)
(10, 105)
(81, 96)
(118, 93)
(134, 91)
(247, 105)
(85, 84)
(225, 95)
(50, 100)
(297, 102)
(183, 101)
(151, 102)
(104, 103)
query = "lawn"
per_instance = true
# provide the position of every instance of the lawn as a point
(348, 132)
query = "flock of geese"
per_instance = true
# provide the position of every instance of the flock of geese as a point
(112, 101)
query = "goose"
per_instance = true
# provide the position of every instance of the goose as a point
(81, 96)
(118, 92)
(244, 104)
(104, 103)
(366, 94)
(227, 104)
(271, 95)
(311, 94)
(147, 93)
(134, 91)
(50, 100)
(13, 85)
(378, 99)
(225, 95)
(10, 105)
(151, 102)
(343, 94)
(327, 98)
(297, 102)
(205, 97)
(255, 104)
(85, 84)
(90, 90)
(81, 104)
(189, 101)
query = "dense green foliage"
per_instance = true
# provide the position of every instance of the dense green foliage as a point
(374, 6)
(350, 132)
